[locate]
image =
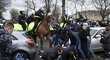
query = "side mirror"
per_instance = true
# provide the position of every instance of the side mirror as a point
(98, 36)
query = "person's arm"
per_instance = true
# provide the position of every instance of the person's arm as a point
(107, 35)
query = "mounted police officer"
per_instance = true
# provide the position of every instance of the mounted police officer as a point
(65, 20)
(5, 41)
(38, 17)
(21, 20)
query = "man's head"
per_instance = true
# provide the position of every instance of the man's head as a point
(9, 27)
(85, 26)
(107, 28)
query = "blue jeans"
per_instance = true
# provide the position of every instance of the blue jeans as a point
(78, 46)
(66, 55)
(57, 41)
(84, 46)
(91, 53)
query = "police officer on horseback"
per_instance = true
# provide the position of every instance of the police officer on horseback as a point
(38, 17)
(21, 20)
(65, 20)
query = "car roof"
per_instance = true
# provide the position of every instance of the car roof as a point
(97, 28)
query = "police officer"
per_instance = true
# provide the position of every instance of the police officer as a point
(38, 17)
(65, 20)
(21, 19)
(6, 43)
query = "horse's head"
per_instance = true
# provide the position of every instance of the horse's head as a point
(47, 18)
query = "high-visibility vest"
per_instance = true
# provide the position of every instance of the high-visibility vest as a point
(17, 26)
(61, 24)
(66, 19)
(37, 16)
(30, 26)
(51, 28)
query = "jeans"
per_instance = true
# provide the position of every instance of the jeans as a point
(91, 53)
(57, 41)
(66, 55)
(78, 46)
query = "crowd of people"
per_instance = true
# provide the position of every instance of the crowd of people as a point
(77, 32)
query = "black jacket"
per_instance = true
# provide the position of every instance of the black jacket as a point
(50, 53)
(21, 17)
(83, 34)
(106, 44)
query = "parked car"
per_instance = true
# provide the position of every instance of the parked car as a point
(23, 44)
(95, 36)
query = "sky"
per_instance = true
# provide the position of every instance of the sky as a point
(21, 5)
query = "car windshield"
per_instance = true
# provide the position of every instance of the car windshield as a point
(92, 32)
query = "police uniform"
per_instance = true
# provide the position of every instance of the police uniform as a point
(38, 17)
(65, 21)
(21, 20)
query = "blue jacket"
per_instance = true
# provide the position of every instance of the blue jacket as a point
(75, 27)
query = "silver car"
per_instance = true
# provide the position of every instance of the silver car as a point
(95, 36)
(23, 44)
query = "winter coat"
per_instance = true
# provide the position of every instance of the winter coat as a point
(5, 43)
(106, 36)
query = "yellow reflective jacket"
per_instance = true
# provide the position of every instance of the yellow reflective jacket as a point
(17, 26)
(61, 24)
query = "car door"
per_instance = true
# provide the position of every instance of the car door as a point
(96, 45)
(14, 40)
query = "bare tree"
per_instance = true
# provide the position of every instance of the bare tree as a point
(63, 9)
(56, 12)
(3, 5)
(14, 14)
(31, 4)
(82, 3)
(47, 5)
(55, 7)
(75, 5)
(103, 6)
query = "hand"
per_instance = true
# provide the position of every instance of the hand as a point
(88, 37)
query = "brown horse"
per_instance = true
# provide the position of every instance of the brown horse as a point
(43, 30)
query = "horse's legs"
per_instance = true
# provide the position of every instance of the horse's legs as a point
(34, 36)
(50, 42)
(41, 42)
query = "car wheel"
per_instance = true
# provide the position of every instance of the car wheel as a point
(23, 56)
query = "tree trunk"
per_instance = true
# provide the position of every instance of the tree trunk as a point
(103, 17)
(63, 9)
(1, 15)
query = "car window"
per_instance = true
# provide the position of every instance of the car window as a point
(92, 32)
(100, 31)
(13, 37)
